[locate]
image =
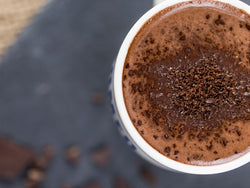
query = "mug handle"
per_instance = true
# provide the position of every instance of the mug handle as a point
(157, 2)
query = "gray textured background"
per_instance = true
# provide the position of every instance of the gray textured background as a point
(46, 82)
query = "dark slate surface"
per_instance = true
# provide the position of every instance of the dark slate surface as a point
(46, 82)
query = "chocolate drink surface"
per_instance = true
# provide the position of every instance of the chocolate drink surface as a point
(186, 82)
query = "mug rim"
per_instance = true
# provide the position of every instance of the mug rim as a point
(147, 149)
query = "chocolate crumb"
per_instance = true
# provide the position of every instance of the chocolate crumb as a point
(101, 155)
(197, 156)
(182, 36)
(155, 137)
(219, 21)
(139, 122)
(131, 73)
(148, 175)
(120, 183)
(97, 98)
(176, 152)
(209, 147)
(166, 136)
(238, 132)
(72, 154)
(127, 65)
(34, 178)
(167, 149)
(223, 142)
(35, 175)
(208, 40)
(248, 26)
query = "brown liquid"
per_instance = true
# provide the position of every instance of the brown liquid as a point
(186, 82)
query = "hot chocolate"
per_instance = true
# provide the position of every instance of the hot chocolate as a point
(186, 82)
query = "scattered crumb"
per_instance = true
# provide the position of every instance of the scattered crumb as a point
(120, 183)
(72, 154)
(148, 175)
(97, 98)
(35, 175)
(101, 155)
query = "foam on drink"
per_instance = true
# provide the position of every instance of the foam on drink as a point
(186, 82)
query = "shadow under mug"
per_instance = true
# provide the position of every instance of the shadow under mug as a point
(123, 121)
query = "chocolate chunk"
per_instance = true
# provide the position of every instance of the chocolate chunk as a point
(72, 154)
(148, 175)
(101, 155)
(14, 158)
(120, 183)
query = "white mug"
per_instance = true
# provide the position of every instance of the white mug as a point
(123, 121)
